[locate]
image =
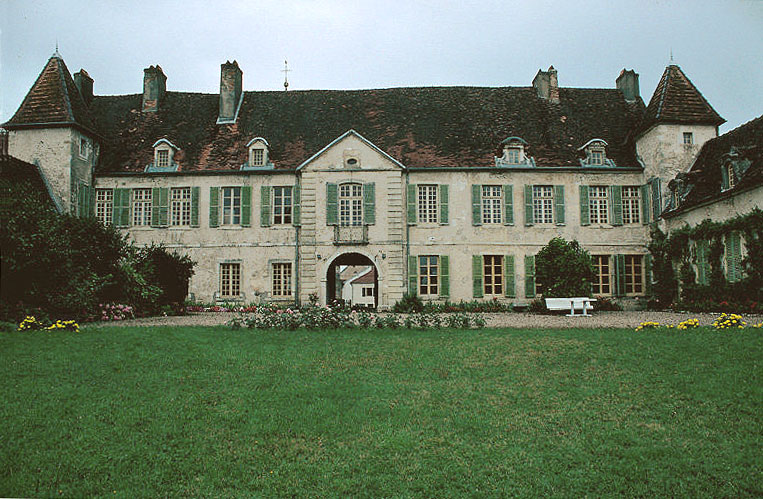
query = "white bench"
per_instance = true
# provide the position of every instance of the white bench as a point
(571, 304)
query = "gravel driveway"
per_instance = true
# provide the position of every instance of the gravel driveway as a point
(520, 320)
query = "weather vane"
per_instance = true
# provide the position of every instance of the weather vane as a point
(285, 72)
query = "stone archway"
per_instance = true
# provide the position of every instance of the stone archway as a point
(349, 259)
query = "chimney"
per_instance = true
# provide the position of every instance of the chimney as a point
(85, 85)
(154, 86)
(3, 142)
(627, 83)
(547, 85)
(230, 92)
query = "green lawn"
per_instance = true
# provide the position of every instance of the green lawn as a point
(211, 411)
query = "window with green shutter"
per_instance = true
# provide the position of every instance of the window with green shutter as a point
(264, 206)
(559, 204)
(476, 204)
(444, 276)
(122, 199)
(529, 276)
(477, 284)
(195, 195)
(733, 257)
(648, 274)
(443, 204)
(214, 206)
(369, 203)
(331, 204)
(703, 262)
(508, 205)
(645, 204)
(160, 206)
(411, 204)
(619, 275)
(246, 206)
(508, 276)
(656, 198)
(528, 205)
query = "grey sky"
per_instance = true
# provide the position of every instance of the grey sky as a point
(362, 44)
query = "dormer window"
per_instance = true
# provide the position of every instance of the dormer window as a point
(730, 173)
(258, 153)
(514, 153)
(164, 157)
(596, 153)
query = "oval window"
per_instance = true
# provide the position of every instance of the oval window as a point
(352, 162)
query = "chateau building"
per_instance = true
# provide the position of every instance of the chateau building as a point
(446, 192)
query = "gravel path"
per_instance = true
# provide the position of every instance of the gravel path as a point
(521, 320)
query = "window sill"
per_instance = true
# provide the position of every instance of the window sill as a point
(230, 227)
(179, 227)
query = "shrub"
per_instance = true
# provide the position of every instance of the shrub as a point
(409, 303)
(605, 304)
(563, 269)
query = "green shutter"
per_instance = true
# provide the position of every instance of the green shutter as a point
(702, 262)
(508, 276)
(477, 205)
(617, 204)
(156, 207)
(529, 276)
(508, 205)
(214, 206)
(369, 203)
(724, 178)
(648, 274)
(444, 204)
(733, 257)
(246, 206)
(413, 276)
(644, 204)
(265, 206)
(528, 204)
(331, 204)
(195, 196)
(656, 199)
(121, 215)
(164, 206)
(585, 209)
(444, 276)
(411, 204)
(559, 204)
(619, 275)
(477, 285)
(296, 206)
(81, 196)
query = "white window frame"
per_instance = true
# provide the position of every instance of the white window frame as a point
(282, 275)
(230, 280)
(428, 203)
(631, 207)
(492, 204)
(428, 285)
(104, 205)
(282, 205)
(180, 206)
(598, 204)
(256, 145)
(513, 155)
(690, 137)
(350, 204)
(257, 156)
(230, 205)
(603, 282)
(142, 202)
(543, 204)
(367, 292)
(731, 175)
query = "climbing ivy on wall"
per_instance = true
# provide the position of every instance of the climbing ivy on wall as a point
(675, 251)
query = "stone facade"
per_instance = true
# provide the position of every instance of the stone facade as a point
(436, 214)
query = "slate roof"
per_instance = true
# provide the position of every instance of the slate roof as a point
(742, 146)
(54, 99)
(420, 127)
(677, 100)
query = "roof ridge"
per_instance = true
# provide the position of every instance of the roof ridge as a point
(65, 90)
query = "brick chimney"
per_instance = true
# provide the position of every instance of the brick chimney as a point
(627, 83)
(85, 85)
(230, 92)
(547, 85)
(154, 87)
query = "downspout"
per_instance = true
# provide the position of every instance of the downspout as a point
(297, 229)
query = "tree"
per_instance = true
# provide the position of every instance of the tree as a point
(563, 269)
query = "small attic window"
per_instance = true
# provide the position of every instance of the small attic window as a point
(352, 162)
(164, 156)
(730, 173)
(596, 153)
(84, 147)
(688, 138)
(513, 152)
(258, 152)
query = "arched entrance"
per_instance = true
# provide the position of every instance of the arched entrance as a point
(350, 278)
